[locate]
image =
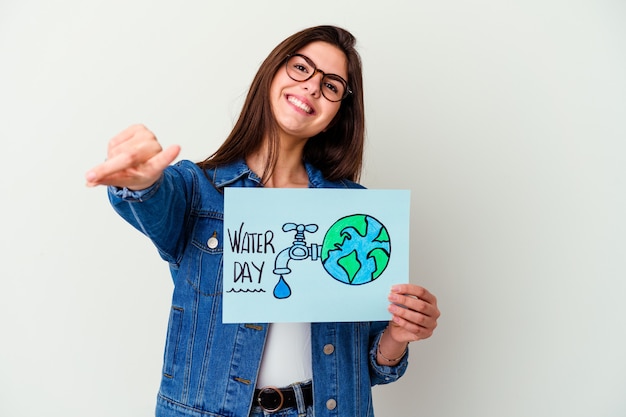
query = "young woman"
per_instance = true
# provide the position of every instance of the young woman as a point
(302, 125)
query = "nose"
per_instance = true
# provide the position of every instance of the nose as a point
(313, 84)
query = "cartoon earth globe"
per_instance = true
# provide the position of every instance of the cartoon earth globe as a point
(356, 249)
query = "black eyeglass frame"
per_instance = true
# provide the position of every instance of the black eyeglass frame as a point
(347, 91)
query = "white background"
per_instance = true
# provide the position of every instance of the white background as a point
(505, 119)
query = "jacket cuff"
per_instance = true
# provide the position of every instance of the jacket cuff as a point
(135, 195)
(383, 374)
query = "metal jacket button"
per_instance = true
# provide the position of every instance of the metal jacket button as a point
(331, 404)
(212, 242)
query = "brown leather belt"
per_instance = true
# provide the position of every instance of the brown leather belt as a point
(272, 399)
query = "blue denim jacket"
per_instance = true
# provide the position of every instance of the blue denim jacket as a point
(210, 368)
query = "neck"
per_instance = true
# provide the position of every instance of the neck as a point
(289, 171)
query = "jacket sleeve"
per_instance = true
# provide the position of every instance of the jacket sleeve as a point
(160, 212)
(382, 374)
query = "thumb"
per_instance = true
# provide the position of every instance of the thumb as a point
(166, 157)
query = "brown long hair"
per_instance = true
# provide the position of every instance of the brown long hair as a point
(338, 151)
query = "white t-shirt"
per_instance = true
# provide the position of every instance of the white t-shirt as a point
(287, 355)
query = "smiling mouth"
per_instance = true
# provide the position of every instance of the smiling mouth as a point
(299, 104)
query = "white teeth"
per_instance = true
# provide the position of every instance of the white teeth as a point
(299, 104)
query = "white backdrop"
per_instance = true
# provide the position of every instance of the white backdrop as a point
(506, 119)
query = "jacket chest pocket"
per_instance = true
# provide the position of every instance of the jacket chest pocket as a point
(205, 259)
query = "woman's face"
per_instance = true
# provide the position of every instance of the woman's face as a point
(299, 108)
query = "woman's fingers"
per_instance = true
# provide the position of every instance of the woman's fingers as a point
(121, 172)
(414, 312)
(135, 160)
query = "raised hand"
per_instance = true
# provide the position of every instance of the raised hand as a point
(135, 160)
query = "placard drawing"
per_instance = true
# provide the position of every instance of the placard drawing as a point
(355, 251)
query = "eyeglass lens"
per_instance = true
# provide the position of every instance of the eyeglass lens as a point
(332, 86)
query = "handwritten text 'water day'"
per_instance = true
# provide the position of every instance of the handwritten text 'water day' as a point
(251, 243)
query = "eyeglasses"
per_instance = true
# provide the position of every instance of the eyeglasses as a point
(300, 68)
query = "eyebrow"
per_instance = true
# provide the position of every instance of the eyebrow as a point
(315, 65)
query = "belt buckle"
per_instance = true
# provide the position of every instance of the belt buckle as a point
(270, 399)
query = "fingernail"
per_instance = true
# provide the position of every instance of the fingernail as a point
(90, 176)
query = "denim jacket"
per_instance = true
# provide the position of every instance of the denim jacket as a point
(210, 368)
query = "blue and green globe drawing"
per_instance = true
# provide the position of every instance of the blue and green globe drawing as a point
(356, 249)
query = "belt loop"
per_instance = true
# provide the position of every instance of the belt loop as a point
(297, 390)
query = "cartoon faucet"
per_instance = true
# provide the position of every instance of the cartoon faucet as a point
(297, 251)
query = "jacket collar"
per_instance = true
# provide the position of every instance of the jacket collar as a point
(227, 174)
